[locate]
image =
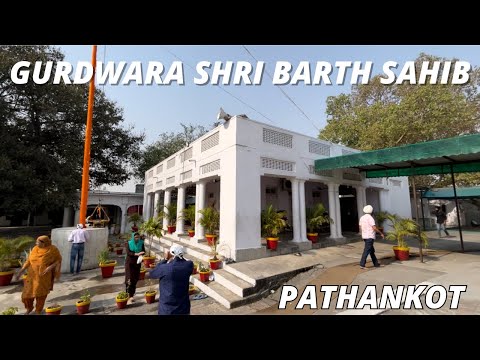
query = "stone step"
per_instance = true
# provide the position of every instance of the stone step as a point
(199, 254)
(233, 283)
(240, 275)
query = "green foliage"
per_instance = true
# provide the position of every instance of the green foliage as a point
(375, 116)
(189, 215)
(272, 221)
(169, 212)
(150, 286)
(10, 311)
(13, 249)
(42, 130)
(122, 295)
(167, 145)
(104, 257)
(403, 229)
(381, 216)
(152, 227)
(86, 296)
(203, 268)
(210, 220)
(316, 217)
(135, 218)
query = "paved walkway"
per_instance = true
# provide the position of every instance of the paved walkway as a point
(338, 266)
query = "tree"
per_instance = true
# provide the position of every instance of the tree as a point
(167, 145)
(42, 129)
(376, 116)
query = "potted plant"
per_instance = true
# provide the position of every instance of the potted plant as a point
(273, 222)
(10, 256)
(10, 311)
(189, 215)
(204, 272)
(121, 299)
(152, 227)
(195, 267)
(83, 305)
(106, 265)
(53, 309)
(192, 289)
(215, 262)
(135, 218)
(170, 213)
(316, 217)
(401, 230)
(210, 220)
(150, 292)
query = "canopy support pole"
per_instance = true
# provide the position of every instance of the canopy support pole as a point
(416, 216)
(458, 208)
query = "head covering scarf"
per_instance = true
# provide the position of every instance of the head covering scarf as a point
(135, 246)
(177, 251)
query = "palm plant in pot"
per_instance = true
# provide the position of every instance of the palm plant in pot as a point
(210, 220)
(215, 262)
(170, 213)
(83, 304)
(273, 222)
(135, 218)
(106, 264)
(151, 228)
(189, 215)
(10, 256)
(316, 217)
(401, 230)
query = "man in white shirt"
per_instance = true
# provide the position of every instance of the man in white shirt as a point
(77, 237)
(368, 230)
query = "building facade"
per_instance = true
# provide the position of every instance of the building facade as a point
(242, 166)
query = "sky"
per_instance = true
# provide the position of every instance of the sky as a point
(154, 109)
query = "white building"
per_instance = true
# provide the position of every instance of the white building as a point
(242, 166)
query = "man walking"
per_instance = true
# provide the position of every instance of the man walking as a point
(77, 237)
(368, 230)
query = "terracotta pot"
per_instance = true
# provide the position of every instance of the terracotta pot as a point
(150, 297)
(121, 303)
(107, 269)
(142, 275)
(53, 310)
(192, 289)
(211, 239)
(204, 276)
(171, 229)
(82, 307)
(272, 243)
(147, 260)
(191, 233)
(313, 237)
(215, 264)
(401, 253)
(6, 277)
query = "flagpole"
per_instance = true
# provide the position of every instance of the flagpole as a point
(88, 140)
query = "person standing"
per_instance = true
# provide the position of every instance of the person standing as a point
(43, 265)
(441, 214)
(78, 238)
(134, 248)
(174, 277)
(368, 230)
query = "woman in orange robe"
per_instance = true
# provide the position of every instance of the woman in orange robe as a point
(43, 265)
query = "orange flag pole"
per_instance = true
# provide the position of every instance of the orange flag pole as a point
(88, 140)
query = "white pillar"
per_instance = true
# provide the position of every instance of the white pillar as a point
(76, 217)
(67, 216)
(303, 218)
(166, 201)
(338, 213)
(296, 211)
(384, 201)
(145, 202)
(199, 205)
(361, 200)
(180, 207)
(147, 210)
(156, 205)
(332, 210)
(123, 223)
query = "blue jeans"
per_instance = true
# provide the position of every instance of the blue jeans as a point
(77, 249)
(369, 249)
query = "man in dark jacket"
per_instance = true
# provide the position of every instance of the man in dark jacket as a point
(174, 278)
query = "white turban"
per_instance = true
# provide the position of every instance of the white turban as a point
(177, 250)
(368, 209)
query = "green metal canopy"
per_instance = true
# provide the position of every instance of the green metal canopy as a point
(448, 193)
(458, 154)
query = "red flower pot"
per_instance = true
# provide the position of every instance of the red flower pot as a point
(150, 297)
(215, 264)
(142, 275)
(313, 237)
(204, 276)
(121, 303)
(53, 310)
(401, 254)
(191, 233)
(211, 239)
(171, 229)
(82, 307)
(272, 243)
(107, 269)
(6, 277)
(148, 260)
